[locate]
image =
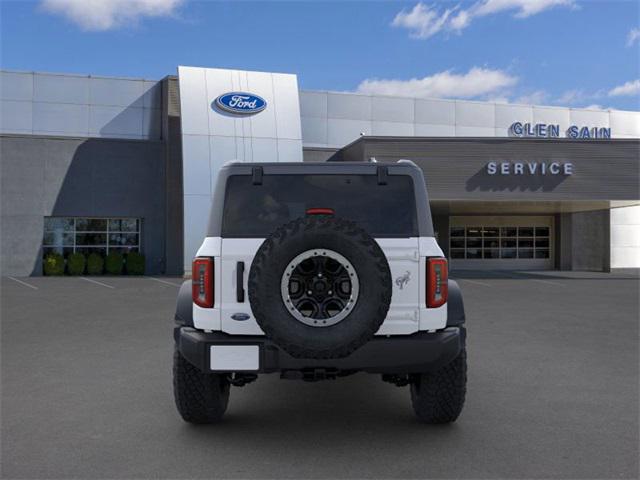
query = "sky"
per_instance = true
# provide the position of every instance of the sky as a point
(546, 52)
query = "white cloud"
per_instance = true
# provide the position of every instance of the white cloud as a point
(571, 97)
(580, 97)
(100, 15)
(424, 22)
(538, 97)
(633, 36)
(631, 87)
(524, 8)
(421, 21)
(475, 83)
(497, 86)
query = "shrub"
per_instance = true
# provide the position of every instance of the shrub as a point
(53, 264)
(95, 264)
(113, 263)
(76, 263)
(135, 263)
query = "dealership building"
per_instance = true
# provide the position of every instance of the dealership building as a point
(101, 164)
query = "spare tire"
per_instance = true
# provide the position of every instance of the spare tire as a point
(320, 287)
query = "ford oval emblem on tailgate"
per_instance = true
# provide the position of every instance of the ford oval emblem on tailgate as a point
(241, 317)
(240, 103)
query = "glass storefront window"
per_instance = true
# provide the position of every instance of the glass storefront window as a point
(91, 239)
(474, 242)
(474, 253)
(91, 224)
(499, 242)
(123, 239)
(526, 243)
(58, 224)
(491, 253)
(123, 225)
(65, 235)
(491, 242)
(57, 238)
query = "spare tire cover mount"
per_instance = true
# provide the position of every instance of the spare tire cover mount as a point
(356, 306)
(320, 287)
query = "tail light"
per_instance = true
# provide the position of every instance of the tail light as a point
(320, 211)
(202, 282)
(437, 282)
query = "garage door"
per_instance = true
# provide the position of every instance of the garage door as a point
(509, 243)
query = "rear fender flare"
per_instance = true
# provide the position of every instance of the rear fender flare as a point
(184, 305)
(455, 305)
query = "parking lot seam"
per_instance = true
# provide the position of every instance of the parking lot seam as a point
(97, 282)
(164, 281)
(23, 283)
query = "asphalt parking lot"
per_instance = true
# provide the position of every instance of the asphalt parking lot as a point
(552, 392)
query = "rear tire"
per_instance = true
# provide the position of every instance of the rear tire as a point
(438, 397)
(200, 397)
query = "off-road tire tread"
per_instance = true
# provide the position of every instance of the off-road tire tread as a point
(438, 397)
(200, 397)
(339, 225)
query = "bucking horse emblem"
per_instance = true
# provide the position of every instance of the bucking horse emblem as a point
(403, 280)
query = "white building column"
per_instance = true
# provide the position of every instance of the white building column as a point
(625, 237)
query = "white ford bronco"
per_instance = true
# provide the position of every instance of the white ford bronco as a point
(317, 271)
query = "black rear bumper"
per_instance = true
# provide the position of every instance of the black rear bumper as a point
(401, 354)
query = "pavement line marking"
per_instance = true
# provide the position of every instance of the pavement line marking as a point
(476, 282)
(548, 282)
(164, 281)
(97, 282)
(24, 283)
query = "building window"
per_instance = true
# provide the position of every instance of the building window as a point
(499, 242)
(66, 235)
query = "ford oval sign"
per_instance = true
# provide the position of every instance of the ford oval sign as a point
(240, 103)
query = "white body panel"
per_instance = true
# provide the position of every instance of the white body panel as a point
(407, 262)
(403, 256)
(233, 251)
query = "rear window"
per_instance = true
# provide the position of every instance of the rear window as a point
(257, 210)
